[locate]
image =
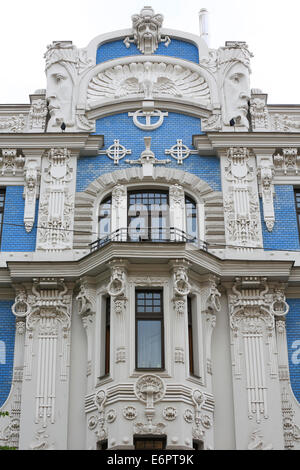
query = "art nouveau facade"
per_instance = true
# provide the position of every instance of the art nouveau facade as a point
(150, 267)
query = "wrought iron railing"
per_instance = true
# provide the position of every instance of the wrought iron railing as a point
(145, 235)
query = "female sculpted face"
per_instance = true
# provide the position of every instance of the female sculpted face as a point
(59, 96)
(237, 94)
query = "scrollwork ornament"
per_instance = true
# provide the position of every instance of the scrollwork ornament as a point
(111, 416)
(188, 416)
(149, 388)
(92, 422)
(170, 413)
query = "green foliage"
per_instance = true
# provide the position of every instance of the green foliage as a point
(6, 413)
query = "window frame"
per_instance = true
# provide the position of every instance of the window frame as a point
(151, 438)
(156, 317)
(105, 201)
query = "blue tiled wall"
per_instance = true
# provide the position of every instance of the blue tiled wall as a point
(180, 49)
(293, 341)
(14, 235)
(284, 235)
(175, 126)
(7, 342)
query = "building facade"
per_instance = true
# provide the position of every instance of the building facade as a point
(150, 265)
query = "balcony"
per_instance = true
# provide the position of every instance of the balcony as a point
(145, 235)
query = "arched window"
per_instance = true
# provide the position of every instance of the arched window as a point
(104, 220)
(191, 217)
(148, 215)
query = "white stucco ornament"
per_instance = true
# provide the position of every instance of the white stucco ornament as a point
(146, 31)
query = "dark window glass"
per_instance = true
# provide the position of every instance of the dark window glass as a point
(190, 335)
(197, 445)
(149, 330)
(148, 215)
(149, 444)
(297, 201)
(102, 445)
(104, 220)
(107, 336)
(191, 217)
(2, 201)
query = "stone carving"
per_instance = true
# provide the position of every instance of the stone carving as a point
(115, 152)
(252, 310)
(291, 431)
(41, 441)
(170, 413)
(198, 398)
(182, 286)
(117, 284)
(146, 28)
(188, 416)
(57, 203)
(285, 123)
(21, 307)
(149, 389)
(147, 159)
(12, 124)
(37, 115)
(234, 69)
(241, 205)
(148, 125)
(111, 416)
(259, 114)
(266, 174)
(64, 65)
(30, 194)
(286, 161)
(47, 323)
(99, 427)
(180, 152)
(212, 123)
(11, 161)
(148, 80)
(86, 298)
(130, 412)
(257, 443)
(179, 352)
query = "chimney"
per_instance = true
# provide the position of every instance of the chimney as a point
(203, 25)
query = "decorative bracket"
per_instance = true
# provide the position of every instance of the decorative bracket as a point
(266, 174)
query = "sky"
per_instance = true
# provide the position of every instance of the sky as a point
(269, 27)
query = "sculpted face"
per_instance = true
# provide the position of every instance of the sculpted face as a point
(59, 96)
(237, 94)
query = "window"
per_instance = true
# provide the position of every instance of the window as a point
(190, 335)
(297, 202)
(191, 217)
(104, 220)
(197, 445)
(146, 443)
(149, 330)
(102, 445)
(2, 201)
(148, 215)
(107, 336)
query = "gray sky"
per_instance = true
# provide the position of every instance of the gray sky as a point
(270, 28)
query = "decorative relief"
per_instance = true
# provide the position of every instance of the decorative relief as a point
(111, 416)
(86, 298)
(148, 124)
(266, 175)
(98, 423)
(149, 80)
(252, 310)
(37, 115)
(170, 413)
(180, 152)
(146, 28)
(188, 416)
(11, 160)
(291, 431)
(48, 326)
(13, 124)
(287, 161)
(149, 389)
(57, 203)
(198, 398)
(130, 412)
(182, 286)
(41, 441)
(257, 443)
(241, 205)
(259, 114)
(147, 159)
(115, 152)
(285, 123)
(30, 193)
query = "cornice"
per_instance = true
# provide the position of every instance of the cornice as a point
(260, 141)
(96, 263)
(81, 141)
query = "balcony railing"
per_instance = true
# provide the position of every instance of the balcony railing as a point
(145, 235)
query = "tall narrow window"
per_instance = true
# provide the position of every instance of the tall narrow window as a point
(297, 201)
(191, 217)
(104, 220)
(149, 330)
(2, 201)
(107, 336)
(190, 334)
